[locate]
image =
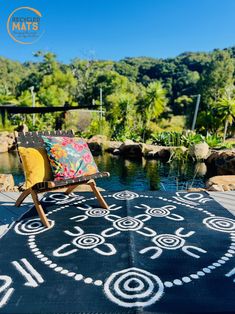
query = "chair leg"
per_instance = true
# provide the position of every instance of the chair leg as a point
(70, 189)
(21, 198)
(39, 209)
(98, 195)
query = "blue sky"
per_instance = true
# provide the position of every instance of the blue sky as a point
(114, 29)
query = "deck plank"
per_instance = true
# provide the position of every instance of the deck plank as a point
(226, 199)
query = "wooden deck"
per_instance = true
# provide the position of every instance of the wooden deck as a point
(9, 213)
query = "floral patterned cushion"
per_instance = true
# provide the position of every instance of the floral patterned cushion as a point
(69, 157)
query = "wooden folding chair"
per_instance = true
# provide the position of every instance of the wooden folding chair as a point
(34, 140)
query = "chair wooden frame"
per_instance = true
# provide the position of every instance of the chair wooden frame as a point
(33, 139)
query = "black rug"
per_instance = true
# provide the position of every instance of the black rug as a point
(149, 253)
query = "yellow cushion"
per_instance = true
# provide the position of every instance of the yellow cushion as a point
(36, 165)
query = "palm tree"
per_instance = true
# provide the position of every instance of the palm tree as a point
(153, 103)
(226, 109)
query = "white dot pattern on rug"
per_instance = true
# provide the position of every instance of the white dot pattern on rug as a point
(204, 271)
(59, 269)
(78, 277)
(187, 205)
(186, 279)
(168, 284)
(98, 282)
(88, 280)
(177, 282)
(207, 270)
(64, 271)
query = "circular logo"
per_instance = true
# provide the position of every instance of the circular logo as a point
(24, 25)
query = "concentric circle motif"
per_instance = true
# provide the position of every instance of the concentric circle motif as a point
(128, 223)
(168, 241)
(60, 198)
(55, 197)
(133, 287)
(221, 224)
(193, 196)
(88, 241)
(125, 195)
(97, 212)
(158, 212)
(32, 226)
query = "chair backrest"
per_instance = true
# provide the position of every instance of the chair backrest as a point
(34, 139)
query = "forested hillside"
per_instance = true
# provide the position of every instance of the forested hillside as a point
(140, 95)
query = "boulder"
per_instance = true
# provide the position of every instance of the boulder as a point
(4, 134)
(212, 157)
(146, 148)
(221, 183)
(151, 154)
(7, 182)
(3, 146)
(199, 151)
(98, 138)
(7, 141)
(96, 143)
(131, 149)
(95, 148)
(149, 151)
(201, 168)
(116, 151)
(196, 190)
(221, 163)
(164, 153)
(110, 146)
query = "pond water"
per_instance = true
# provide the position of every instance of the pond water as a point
(137, 175)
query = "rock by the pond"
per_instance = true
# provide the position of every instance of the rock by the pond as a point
(200, 168)
(196, 190)
(131, 149)
(96, 143)
(7, 183)
(116, 151)
(112, 146)
(164, 153)
(150, 151)
(221, 163)
(221, 183)
(7, 142)
(3, 146)
(199, 151)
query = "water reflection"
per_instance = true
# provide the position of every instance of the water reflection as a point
(140, 175)
(137, 175)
